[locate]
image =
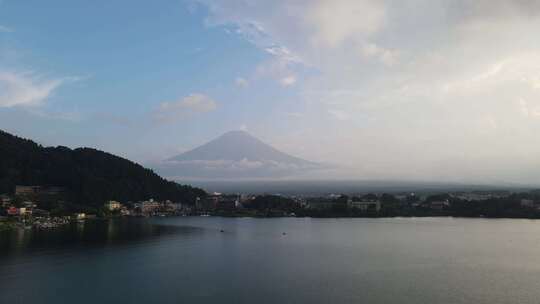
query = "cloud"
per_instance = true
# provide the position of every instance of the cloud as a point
(281, 71)
(5, 29)
(387, 57)
(184, 108)
(528, 109)
(241, 82)
(456, 78)
(297, 32)
(495, 9)
(294, 114)
(339, 114)
(25, 89)
(288, 80)
(336, 21)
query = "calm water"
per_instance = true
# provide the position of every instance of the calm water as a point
(188, 260)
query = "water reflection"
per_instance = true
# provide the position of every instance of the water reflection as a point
(98, 233)
(167, 260)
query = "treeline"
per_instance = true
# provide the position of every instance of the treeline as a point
(510, 206)
(503, 207)
(90, 177)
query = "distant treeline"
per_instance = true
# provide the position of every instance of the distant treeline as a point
(90, 177)
(511, 206)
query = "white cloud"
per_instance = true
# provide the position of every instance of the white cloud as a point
(231, 165)
(339, 114)
(5, 29)
(25, 89)
(186, 107)
(241, 82)
(528, 109)
(283, 53)
(336, 21)
(387, 57)
(533, 81)
(288, 80)
(441, 75)
(298, 32)
(277, 69)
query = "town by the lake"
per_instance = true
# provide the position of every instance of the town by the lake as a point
(28, 207)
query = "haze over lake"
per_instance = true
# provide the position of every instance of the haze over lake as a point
(189, 259)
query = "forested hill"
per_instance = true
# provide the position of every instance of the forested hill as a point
(90, 177)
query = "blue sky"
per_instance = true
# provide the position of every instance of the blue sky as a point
(418, 89)
(117, 61)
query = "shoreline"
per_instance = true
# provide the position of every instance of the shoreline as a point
(7, 226)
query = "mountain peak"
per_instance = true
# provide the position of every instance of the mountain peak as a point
(237, 133)
(236, 146)
(232, 154)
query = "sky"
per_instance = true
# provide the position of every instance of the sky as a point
(388, 89)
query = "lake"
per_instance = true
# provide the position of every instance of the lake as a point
(289, 260)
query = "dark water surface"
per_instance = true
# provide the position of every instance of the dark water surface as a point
(188, 260)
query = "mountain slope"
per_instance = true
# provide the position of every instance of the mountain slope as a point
(237, 146)
(89, 176)
(235, 154)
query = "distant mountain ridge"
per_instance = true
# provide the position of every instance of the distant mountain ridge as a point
(90, 176)
(235, 154)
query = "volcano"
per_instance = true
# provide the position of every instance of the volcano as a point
(233, 155)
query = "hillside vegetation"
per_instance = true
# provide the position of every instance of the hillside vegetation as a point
(89, 176)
